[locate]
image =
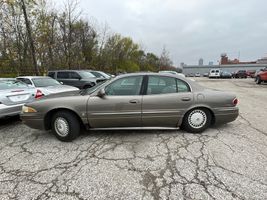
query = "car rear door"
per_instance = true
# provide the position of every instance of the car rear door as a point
(165, 101)
(121, 105)
(64, 77)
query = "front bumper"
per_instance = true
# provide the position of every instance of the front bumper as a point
(33, 120)
(225, 115)
(10, 110)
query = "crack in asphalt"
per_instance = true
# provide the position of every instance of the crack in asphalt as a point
(227, 162)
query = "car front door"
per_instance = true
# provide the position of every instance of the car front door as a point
(165, 101)
(119, 107)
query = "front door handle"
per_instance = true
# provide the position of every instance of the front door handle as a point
(186, 99)
(134, 101)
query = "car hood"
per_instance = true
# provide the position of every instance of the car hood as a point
(57, 89)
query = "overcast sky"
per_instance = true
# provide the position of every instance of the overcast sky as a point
(190, 29)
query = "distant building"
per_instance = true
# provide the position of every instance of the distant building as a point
(210, 63)
(226, 61)
(193, 69)
(262, 60)
(200, 62)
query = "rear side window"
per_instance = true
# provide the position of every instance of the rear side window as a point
(63, 75)
(182, 86)
(25, 80)
(74, 75)
(166, 85)
(51, 74)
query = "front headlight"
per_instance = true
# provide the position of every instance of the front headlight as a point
(26, 109)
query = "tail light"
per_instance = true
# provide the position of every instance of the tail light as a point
(235, 101)
(38, 94)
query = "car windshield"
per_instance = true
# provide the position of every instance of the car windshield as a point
(45, 82)
(10, 84)
(85, 74)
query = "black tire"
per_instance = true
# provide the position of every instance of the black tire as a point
(68, 121)
(258, 80)
(189, 127)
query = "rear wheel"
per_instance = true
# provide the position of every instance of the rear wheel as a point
(258, 80)
(197, 120)
(65, 126)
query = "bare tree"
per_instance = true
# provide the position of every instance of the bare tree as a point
(36, 68)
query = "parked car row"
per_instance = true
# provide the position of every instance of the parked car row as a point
(259, 75)
(138, 100)
(15, 92)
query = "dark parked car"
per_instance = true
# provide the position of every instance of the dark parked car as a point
(251, 73)
(225, 74)
(78, 78)
(150, 100)
(240, 74)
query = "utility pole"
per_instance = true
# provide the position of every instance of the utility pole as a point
(34, 62)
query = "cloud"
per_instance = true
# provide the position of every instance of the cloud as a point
(190, 29)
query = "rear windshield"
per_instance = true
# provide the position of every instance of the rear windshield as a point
(8, 84)
(45, 82)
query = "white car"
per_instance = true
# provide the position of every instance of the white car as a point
(46, 85)
(215, 73)
(172, 72)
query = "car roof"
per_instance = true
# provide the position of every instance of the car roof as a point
(69, 70)
(7, 79)
(32, 77)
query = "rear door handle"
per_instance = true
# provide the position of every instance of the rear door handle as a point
(186, 99)
(134, 101)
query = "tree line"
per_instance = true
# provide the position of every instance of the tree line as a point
(35, 38)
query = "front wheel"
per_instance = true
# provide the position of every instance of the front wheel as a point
(196, 120)
(65, 126)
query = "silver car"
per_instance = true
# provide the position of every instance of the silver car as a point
(13, 95)
(140, 100)
(46, 85)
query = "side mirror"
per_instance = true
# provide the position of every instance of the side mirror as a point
(29, 85)
(101, 93)
(61, 83)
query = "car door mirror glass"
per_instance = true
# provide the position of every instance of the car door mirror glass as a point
(101, 93)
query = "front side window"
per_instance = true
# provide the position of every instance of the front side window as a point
(125, 86)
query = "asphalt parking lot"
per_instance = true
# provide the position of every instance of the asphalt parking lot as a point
(225, 162)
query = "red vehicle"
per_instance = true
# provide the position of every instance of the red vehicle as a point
(251, 73)
(261, 76)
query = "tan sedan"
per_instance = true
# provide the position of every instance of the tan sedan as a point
(139, 100)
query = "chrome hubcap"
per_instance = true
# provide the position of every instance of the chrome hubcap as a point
(197, 119)
(61, 127)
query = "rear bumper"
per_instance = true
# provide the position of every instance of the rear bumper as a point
(6, 111)
(225, 115)
(34, 121)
